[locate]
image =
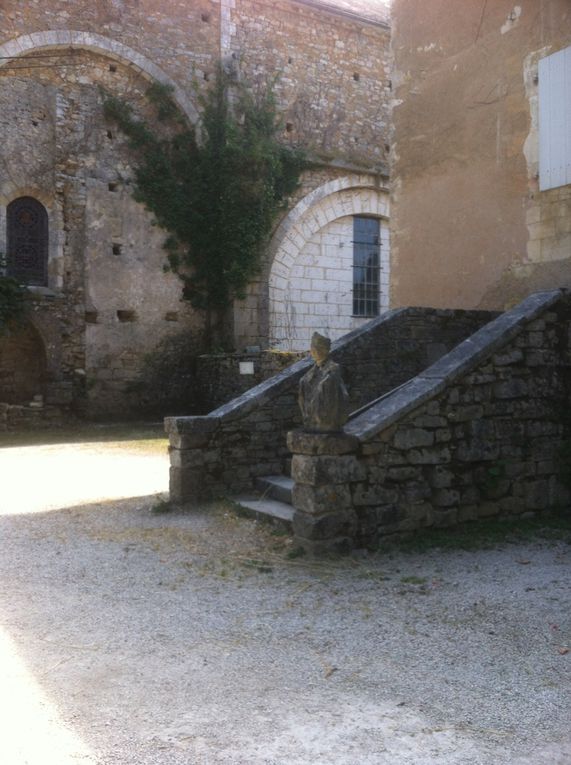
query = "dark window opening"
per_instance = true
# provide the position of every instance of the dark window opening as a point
(113, 186)
(112, 68)
(366, 266)
(117, 249)
(27, 256)
(91, 317)
(356, 76)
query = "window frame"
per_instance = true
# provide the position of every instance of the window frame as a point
(37, 274)
(366, 292)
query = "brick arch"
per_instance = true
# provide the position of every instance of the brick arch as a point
(333, 201)
(63, 38)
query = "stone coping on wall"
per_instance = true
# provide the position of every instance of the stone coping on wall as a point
(461, 360)
(265, 391)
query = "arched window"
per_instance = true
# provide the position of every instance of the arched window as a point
(27, 256)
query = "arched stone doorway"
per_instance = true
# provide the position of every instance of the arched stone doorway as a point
(22, 365)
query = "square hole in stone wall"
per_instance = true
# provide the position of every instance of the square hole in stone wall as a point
(125, 316)
(117, 248)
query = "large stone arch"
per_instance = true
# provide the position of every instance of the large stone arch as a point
(64, 38)
(317, 229)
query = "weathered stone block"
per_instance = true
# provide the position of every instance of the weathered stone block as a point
(536, 496)
(317, 500)
(470, 496)
(511, 505)
(309, 526)
(487, 509)
(513, 356)
(409, 438)
(445, 498)
(367, 494)
(303, 442)
(467, 513)
(432, 456)
(186, 485)
(509, 389)
(477, 451)
(319, 470)
(443, 518)
(373, 447)
(400, 474)
(390, 515)
(193, 458)
(440, 477)
(430, 421)
(466, 413)
(416, 491)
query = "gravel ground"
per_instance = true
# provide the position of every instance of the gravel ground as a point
(130, 636)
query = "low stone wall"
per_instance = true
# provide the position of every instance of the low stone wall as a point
(225, 451)
(14, 417)
(221, 377)
(479, 433)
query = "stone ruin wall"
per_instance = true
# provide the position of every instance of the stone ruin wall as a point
(108, 294)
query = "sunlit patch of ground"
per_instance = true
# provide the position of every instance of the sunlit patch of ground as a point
(48, 476)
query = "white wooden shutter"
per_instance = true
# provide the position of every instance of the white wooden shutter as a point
(555, 120)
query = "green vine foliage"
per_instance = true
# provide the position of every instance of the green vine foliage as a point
(216, 191)
(12, 300)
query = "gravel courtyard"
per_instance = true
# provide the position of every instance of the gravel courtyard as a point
(132, 636)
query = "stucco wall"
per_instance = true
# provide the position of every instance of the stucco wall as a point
(469, 224)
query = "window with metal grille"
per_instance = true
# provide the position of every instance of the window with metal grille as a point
(366, 266)
(27, 251)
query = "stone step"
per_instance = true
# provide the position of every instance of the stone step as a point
(263, 509)
(278, 487)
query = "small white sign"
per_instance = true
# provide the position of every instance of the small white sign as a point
(246, 367)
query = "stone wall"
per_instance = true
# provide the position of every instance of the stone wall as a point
(105, 256)
(333, 75)
(478, 434)
(225, 451)
(224, 376)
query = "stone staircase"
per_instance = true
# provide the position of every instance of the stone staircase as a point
(272, 501)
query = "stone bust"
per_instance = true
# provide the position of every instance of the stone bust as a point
(322, 394)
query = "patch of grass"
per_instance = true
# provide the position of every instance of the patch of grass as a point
(489, 533)
(297, 552)
(413, 580)
(161, 507)
(90, 432)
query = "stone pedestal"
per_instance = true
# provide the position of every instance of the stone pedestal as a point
(323, 467)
